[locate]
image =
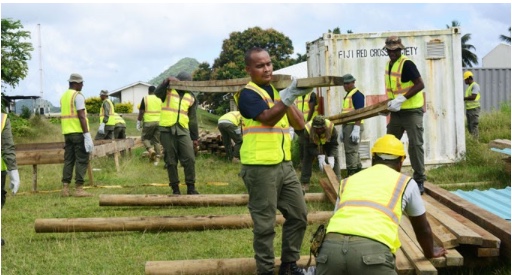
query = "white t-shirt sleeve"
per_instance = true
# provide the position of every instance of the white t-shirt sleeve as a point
(412, 203)
(80, 102)
(475, 89)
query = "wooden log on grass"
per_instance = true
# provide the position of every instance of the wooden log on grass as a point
(160, 223)
(199, 200)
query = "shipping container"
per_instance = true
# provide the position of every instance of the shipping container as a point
(436, 53)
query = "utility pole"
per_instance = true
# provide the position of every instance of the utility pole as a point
(41, 104)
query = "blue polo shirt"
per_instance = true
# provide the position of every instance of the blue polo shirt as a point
(251, 104)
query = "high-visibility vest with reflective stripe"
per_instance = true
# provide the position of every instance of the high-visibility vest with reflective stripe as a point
(4, 120)
(234, 117)
(303, 105)
(111, 116)
(395, 86)
(348, 105)
(69, 116)
(329, 126)
(475, 103)
(119, 119)
(175, 109)
(265, 145)
(153, 107)
(370, 205)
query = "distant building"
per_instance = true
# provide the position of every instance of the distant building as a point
(499, 57)
(131, 93)
(299, 70)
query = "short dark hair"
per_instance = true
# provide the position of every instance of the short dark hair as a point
(248, 53)
(151, 89)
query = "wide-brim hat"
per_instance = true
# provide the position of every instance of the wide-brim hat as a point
(348, 78)
(393, 43)
(318, 122)
(74, 77)
(104, 92)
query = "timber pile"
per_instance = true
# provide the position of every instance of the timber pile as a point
(211, 143)
(502, 146)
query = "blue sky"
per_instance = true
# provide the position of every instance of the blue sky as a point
(114, 45)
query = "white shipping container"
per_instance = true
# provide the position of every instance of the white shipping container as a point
(436, 53)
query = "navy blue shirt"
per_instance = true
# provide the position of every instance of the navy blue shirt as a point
(409, 71)
(358, 100)
(251, 104)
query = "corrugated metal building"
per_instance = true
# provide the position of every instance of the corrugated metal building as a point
(494, 85)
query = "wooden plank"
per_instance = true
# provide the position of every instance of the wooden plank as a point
(488, 239)
(463, 233)
(40, 157)
(421, 264)
(329, 190)
(441, 234)
(487, 252)
(403, 265)
(499, 143)
(363, 113)
(332, 178)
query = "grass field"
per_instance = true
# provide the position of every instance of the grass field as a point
(27, 252)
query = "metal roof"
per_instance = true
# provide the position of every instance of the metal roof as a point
(496, 201)
(299, 70)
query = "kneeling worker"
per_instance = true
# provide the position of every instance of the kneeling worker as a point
(366, 223)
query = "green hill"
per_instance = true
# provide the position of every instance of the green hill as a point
(186, 64)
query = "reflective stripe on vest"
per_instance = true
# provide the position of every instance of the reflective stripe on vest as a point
(473, 103)
(175, 109)
(153, 107)
(302, 104)
(348, 105)
(4, 120)
(265, 145)
(111, 116)
(329, 126)
(69, 116)
(395, 86)
(375, 215)
(234, 117)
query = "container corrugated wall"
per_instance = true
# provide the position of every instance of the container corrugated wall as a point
(495, 86)
(362, 56)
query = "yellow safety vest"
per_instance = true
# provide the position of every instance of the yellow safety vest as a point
(153, 107)
(472, 104)
(265, 145)
(175, 109)
(119, 119)
(348, 105)
(329, 127)
(395, 86)
(235, 117)
(68, 113)
(303, 106)
(375, 215)
(4, 120)
(111, 118)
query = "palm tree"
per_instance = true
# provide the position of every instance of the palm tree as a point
(505, 38)
(468, 57)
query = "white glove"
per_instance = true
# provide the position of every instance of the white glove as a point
(138, 125)
(331, 161)
(395, 104)
(101, 130)
(291, 93)
(89, 145)
(14, 177)
(321, 162)
(354, 136)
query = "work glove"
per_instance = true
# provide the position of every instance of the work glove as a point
(138, 125)
(331, 161)
(321, 162)
(395, 104)
(14, 177)
(291, 93)
(101, 130)
(354, 136)
(89, 145)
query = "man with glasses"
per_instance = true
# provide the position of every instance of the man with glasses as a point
(404, 87)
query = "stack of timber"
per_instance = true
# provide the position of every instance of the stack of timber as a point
(211, 143)
(502, 146)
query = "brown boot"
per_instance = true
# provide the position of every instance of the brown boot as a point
(65, 190)
(152, 154)
(80, 192)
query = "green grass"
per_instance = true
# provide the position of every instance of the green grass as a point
(27, 252)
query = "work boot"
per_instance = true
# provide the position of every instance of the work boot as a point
(350, 172)
(191, 189)
(157, 160)
(305, 188)
(290, 268)
(421, 187)
(80, 192)
(175, 189)
(152, 154)
(235, 160)
(65, 190)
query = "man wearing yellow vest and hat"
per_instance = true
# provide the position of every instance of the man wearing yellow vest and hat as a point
(179, 132)
(230, 128)
(107, 118)
(9, 165)
(148, 121)
(472, 103)
(351, 132)
(307, 104)
(404, 87)
(362, 235)
(119, 127)
(267, 169)
(77, 138)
